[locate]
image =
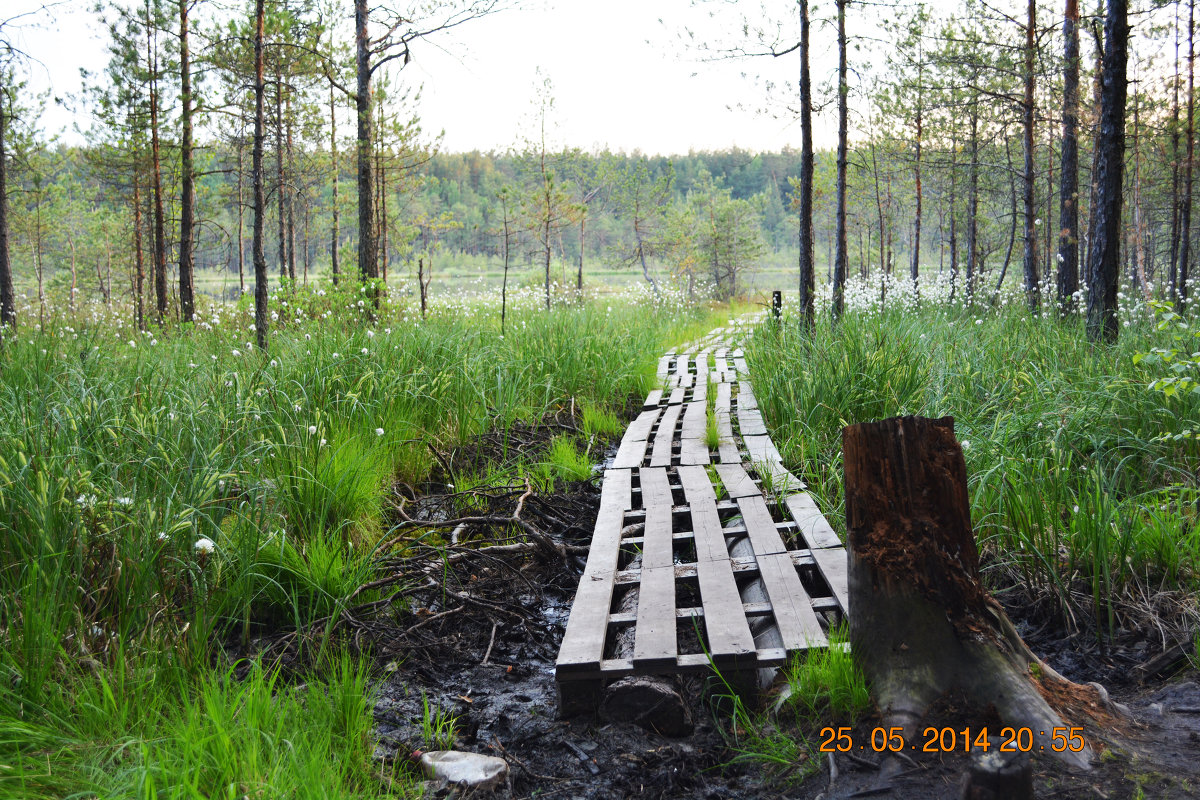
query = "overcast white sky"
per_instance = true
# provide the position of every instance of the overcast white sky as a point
(620, 77)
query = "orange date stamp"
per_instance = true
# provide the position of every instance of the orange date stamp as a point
(955, 740)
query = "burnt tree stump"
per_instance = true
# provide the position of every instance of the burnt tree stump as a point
(921, 622)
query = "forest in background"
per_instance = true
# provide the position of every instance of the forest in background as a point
(954, 159)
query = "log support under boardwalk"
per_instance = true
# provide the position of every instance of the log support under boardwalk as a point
(921, 622)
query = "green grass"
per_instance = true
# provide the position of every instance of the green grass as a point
(439, 729)
(601, 422)
(712, 433)
(151, 729)
(822, 687)
(162, 496)
(564, 461)
(1078, 479)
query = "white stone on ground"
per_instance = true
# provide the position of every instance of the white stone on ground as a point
(472, 769)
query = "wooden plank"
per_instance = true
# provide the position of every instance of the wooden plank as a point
(654, 642)
(740, 566)
(724, 393)
(693, 445)
(630, 454)
(797, 622)
(653, 399)
(664, 367)
(727, 451)
(677, 395)
(658, 544)
(706, 523)
(660, 456)
(760, 528)
(783, 481)
(654, 636)
(832, 563)
(810, 522)
(726, 628)
(750, 421)
(583, 640)
(739, 363)
(627, 619)
(641, 425)
(762, 450)
(680, 369)
(746, 397)
(638, 515)
(737, 482)
(700, 389)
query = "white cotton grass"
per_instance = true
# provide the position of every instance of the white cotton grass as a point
(204, 545)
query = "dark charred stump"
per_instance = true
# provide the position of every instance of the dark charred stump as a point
(921, 622)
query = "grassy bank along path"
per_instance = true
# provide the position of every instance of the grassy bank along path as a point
(702, 524)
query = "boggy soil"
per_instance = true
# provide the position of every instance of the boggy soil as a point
(489, 666)
(508, 705)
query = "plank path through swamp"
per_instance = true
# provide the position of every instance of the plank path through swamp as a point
(685, 528)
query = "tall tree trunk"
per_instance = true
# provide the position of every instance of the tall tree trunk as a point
(973, 202)
(187, 177)
(878, 208)
(1185, 224)
(953, 213)
(256, 180)
(1104, 261)
(37, 254)
(1012, 217)
(280, 181)
(8, 297)
(1032, 283)
(333, 159)
(840, 257)
(1048, 242)
(807, 167)
(504, 283)
(1068, 199)
(139, 267)
(1172, 276)
(160, 239)
(241, 235)
(914, 271)
(381, 184)
(641, 252)
(1135, 251)
(368, 259)
(582, 230)
(291, 191)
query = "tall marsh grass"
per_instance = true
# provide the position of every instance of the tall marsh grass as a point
(1079, 482)
(163, 492)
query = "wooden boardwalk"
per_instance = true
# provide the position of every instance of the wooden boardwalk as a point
(672, 508)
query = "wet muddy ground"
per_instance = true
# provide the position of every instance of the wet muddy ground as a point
(493, 674)
(469, 655)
